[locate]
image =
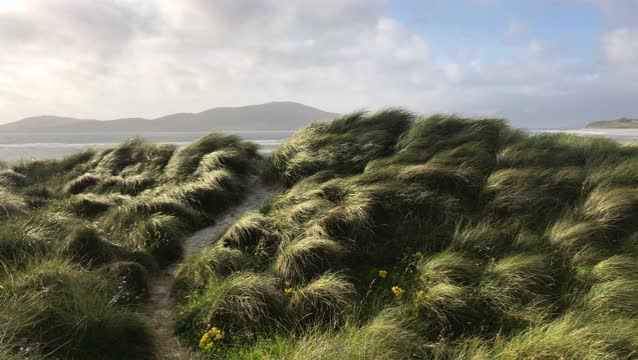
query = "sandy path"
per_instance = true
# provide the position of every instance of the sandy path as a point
(160, 305)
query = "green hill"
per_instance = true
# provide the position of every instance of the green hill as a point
(623, 123)
(395, 237)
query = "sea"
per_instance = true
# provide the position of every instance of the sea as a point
(36, 146)
(33, 145)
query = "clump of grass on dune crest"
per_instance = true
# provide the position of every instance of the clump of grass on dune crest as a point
(233, 160)
(241, 303)
(344, 145)
(213, 192)
(130, 185)
(325, 300)
(443, 132)
(301, 260)
(131, 152)
(558, 150)
(81, 183)
(43, 170)
(187, 159)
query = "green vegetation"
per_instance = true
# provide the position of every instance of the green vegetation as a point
(622, 123)
(395, 237)
(400, 237)
(81, 236)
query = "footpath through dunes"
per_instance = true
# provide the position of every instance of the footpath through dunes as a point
(161, 305)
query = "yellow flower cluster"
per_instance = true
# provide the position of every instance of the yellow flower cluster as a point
(288, 291)
(420, 294)
(398, 291)
(383, 274)
(208, 339)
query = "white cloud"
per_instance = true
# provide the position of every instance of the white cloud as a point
(621, 46)
(124, 58)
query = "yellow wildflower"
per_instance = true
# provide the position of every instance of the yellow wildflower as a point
(209, 346)
(398, 292)
(383, 274)
(219, 336)
(420, 294)
(288, 291)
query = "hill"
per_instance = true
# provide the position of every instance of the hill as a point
(622, 123)
(269, 116)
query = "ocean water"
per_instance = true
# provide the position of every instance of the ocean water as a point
(28, 146)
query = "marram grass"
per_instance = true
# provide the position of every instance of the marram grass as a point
(395, 237)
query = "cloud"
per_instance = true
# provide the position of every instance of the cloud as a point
(126, 58)
(621, 46)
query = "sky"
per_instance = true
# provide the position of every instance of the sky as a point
(538, 63)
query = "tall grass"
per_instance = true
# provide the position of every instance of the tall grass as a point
(396, 237)
(80, 237)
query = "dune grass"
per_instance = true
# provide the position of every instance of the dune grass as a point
(81, 236)
(439, 237)
(395, 237)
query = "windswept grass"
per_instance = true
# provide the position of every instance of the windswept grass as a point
(396, 237)
(243, 302)
(80, 237)
(452, 238)
(326, 300)
(300, 260)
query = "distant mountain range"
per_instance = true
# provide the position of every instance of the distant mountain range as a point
(622, 123)
(269, 116)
